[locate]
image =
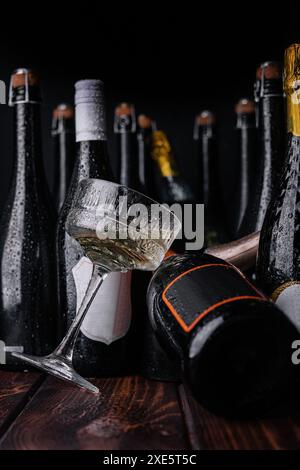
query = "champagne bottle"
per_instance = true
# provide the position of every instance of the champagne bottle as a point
(278, 258)
(137, 281)
(233, 344)
(246, 148)
(208, 180)
(156, 364)
(170, 187)
(63, 133)
(125, 130)
(271, 144)
(100, 349)
(28, 310)
(145, 164)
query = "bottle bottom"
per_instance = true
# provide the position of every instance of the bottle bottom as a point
(244, 366)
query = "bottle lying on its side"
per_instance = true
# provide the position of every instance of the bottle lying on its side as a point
(156, 364)
(234, 345)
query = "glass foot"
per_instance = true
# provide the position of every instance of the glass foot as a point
(59, 367)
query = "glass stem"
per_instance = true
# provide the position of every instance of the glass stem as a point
(66, 347)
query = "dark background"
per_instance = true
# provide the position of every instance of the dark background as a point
(170, 62)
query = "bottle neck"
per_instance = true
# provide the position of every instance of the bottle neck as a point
(64, 145)
(247, 161)
(245, 121)
(144, 159)
(64, 156)
(293, 129)
(207, 157)
(246, 134)
(92, 160)
(27, 142)
(272, 138)
(128, 163)
(268, 88)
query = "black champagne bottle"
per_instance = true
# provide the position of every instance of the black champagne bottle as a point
(278, 265)
(170, 188)
(28, 306)
(271, 145)
(137, 173)
(208, 182)
(246, 152)
(100, 349)
(156, 364)
(234, 345)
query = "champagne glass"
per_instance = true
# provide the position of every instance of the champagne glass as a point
(119, 230)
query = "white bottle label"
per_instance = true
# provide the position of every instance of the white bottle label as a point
(288, 300)
(109, 316)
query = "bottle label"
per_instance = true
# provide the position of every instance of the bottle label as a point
(109, 316)
(90, 122)
(287, 298)
(221, 283)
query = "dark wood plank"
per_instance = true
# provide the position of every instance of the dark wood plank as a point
(16, 389)
(279, 429)
(131, 413)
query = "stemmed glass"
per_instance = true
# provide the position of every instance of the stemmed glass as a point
(119, 230)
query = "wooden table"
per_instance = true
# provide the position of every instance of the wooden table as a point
(38, 412)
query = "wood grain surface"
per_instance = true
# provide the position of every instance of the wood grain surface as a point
(16, 389)
(279, 429)
(131, 413)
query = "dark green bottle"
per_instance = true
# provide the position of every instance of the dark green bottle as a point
(28, 305)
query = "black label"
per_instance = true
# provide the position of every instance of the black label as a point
(198, 291)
